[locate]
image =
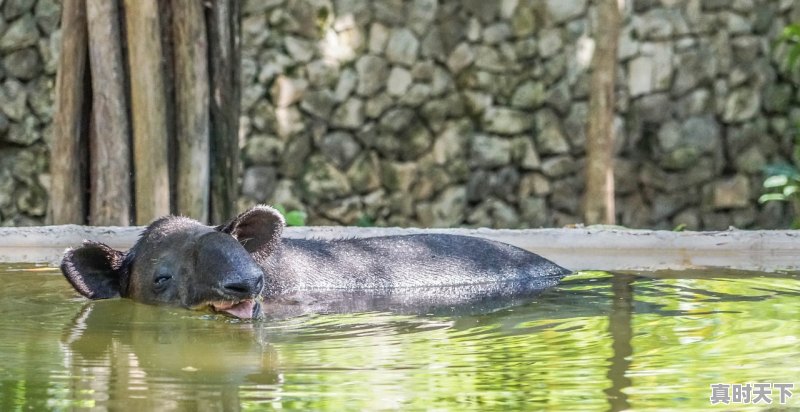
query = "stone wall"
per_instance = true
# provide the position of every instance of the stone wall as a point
(447, 113)
(469, 112)
(29, 41)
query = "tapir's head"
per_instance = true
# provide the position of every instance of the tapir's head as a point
(181, 262)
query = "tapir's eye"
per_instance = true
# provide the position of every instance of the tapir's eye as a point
(162, 279)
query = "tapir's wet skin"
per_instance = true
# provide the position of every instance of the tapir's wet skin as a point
(180, 262)
(592, 342)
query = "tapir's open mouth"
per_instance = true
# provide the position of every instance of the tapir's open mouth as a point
(245, 309)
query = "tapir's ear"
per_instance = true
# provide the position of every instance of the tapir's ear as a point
(93, 269)
(258, 229)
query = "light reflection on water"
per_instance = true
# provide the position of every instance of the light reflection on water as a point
(596, 342)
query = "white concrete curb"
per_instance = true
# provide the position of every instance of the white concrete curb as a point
(576, 249)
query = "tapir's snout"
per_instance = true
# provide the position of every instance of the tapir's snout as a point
(231, 279)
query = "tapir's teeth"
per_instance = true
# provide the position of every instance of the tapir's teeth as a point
(223, 304)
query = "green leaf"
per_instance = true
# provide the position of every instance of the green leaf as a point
(790, 190)
(791, 31)
(280, 209)
(769, 197)
(776, 181)
(680, 228)
(295, 218)
(365, 221)
(781, 169)
(794, 53)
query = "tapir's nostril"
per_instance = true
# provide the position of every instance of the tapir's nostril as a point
(238, 287)
(245, 287)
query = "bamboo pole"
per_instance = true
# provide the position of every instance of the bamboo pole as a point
(150, 139)
(67, 195)
(110, 194)
(190, 48)
(223, 42)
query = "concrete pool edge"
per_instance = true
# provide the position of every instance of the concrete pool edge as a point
(599, 248)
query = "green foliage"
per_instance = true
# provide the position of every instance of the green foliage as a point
(783, 180)
(365, 221)
(791, 37)
(293, 217)
(783, 185)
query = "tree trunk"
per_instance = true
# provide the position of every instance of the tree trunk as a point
(599, 195)
(110, 195)
(68, 152)
(150, 139)
(192, 111)
(224, 46)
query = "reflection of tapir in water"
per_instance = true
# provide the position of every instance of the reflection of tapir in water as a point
(137, 357)
(178, 261)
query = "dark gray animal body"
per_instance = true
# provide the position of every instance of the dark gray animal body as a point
(178, 261)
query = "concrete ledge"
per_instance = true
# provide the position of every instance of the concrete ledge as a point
(577, 249)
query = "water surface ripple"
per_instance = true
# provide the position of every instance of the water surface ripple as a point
(596, 342)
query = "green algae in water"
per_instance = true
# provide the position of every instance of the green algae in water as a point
(596, 342)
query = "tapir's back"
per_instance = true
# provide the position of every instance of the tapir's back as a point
(407, 264)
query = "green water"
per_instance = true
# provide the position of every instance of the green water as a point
(596, 342)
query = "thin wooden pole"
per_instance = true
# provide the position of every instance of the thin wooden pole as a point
(110, 195)
(168, 68)
(150, 139)
(598, 203)
(67, 165)
(192, 111)
(224, 53)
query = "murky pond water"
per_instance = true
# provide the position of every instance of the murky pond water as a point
(596, 342)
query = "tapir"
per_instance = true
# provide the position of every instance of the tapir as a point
(244, 268)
